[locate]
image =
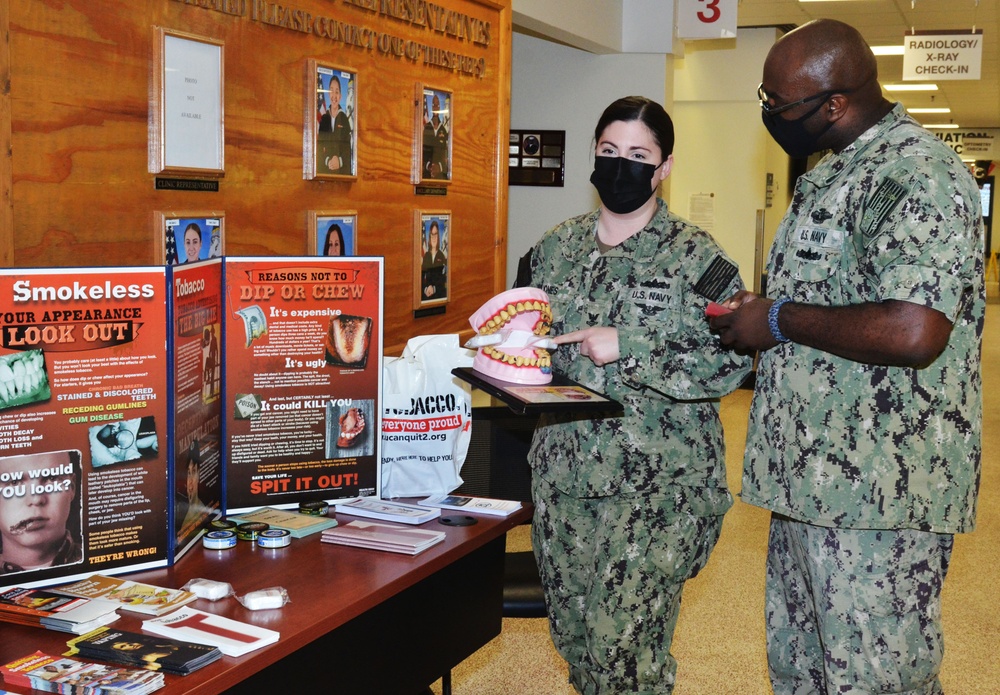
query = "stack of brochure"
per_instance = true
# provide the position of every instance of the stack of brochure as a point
(130, 596)
(57, 674)
(40, 608)
(372, 508)
(143, 651)
(232, 637)
(299, 525)
(394, 539)
(473, 505)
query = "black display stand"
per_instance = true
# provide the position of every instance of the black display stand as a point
(561, 395)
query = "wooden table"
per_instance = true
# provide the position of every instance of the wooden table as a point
(358, 621)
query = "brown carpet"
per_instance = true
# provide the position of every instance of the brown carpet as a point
(719, 642)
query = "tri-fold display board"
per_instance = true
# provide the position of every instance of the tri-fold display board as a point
(136, 403)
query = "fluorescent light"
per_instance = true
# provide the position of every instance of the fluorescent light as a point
(942, 126)
(910, 87)
(888, 50)
(932, 110)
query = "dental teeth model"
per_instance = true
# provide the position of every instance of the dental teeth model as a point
(512, 337)
(22, 378)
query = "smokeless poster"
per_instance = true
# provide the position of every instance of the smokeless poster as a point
(83, 418)
(303, 375)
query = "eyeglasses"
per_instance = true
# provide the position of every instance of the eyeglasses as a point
(765, 100)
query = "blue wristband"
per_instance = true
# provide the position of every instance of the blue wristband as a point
(772, 319)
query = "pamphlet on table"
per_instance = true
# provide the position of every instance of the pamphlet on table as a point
(154, 652)
(385, 510)
(59, 674)
(376, 536)
(473, 505)
(299, 525)
(41, 608)
(129, 595)
(232, 637)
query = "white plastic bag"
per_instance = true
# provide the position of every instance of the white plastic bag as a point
(426, 417)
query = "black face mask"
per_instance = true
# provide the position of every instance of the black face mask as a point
(792, 135)
(623, 184)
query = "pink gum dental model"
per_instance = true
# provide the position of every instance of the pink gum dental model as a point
(512, 337)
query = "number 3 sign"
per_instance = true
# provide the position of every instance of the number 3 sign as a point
(706, 19)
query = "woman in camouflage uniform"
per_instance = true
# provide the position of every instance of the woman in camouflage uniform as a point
(629, 506)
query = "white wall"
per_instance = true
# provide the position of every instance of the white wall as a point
(607, 26)
(592, 26)
(722, 146)
(556, 87)
(716, 153)
(711, 93)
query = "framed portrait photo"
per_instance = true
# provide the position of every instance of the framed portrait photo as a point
(186, 135)
(330, 131)
(185, 237)
(432, 135)
(333, 233)
(432, 248)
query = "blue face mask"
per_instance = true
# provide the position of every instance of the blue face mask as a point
(623, 184)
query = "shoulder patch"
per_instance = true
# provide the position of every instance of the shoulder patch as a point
(887, 196)
(716, 279)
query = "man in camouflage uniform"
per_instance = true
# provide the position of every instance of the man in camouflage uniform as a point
(864, 436)
(629, 506)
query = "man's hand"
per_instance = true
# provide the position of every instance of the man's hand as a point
(599, 343)
(745, 327)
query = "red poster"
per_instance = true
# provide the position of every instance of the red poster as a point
(196, 348)
(83, 422)
(302, 379)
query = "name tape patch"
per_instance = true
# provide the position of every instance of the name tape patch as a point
(819, 237)
(650, 296)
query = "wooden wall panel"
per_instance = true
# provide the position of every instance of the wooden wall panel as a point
(6, 205)
(78, 115)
